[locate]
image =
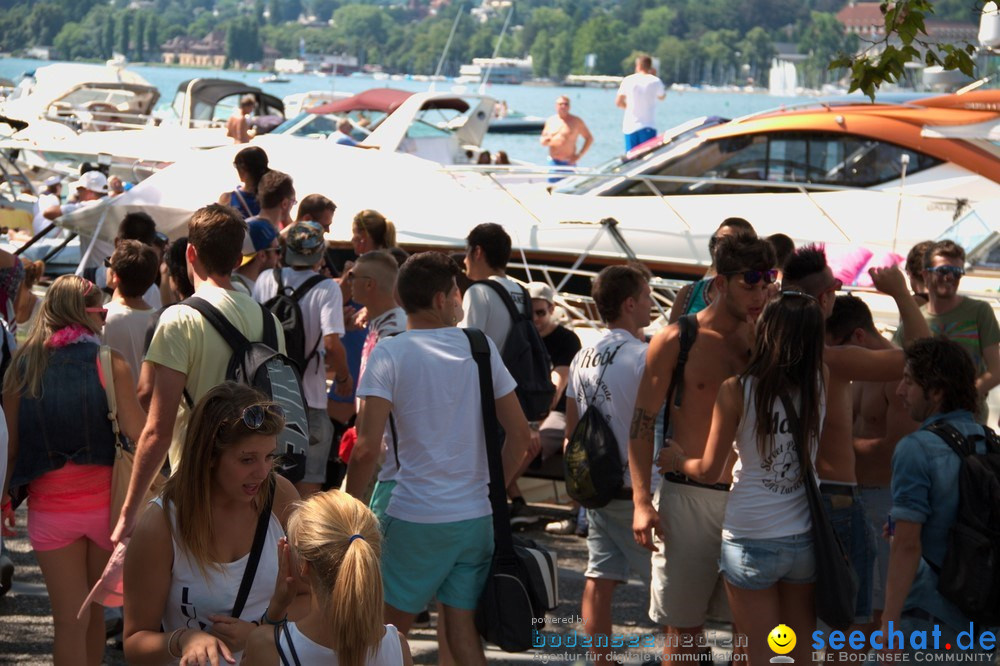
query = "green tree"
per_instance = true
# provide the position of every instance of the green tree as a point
(124, 33)
(108, 37)
(541, 50)
(884, 61)
(758, 50)
(561, 56)
(823, 39)
(363, 29)
(74, 42)
(602, 36)
(646, 34)
(45, 22)
(140, 36)
(153, 34)
(676, 56)
(550, 19)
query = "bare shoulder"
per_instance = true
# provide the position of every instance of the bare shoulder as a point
(151, 537)
(404, 647)
(260, 647)
(285, 497)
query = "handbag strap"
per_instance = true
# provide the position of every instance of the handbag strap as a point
(600, 376)
(805, 462)
(503, 540)
(688, 325)
(108, 376)
(255, 550)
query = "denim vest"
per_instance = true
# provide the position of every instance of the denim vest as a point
(69, 421)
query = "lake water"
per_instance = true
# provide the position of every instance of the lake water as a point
(595, 106)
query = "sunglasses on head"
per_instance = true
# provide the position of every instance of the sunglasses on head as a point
(799, 294)
(253, 416)
(954, 271)
(102, 311)
(753, 277)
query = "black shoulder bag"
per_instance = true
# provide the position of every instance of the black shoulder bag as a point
(523, 580)
(836, 582)
(255, 550)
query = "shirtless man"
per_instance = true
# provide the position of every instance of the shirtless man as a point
(807, 271)
(688, 522)
(237, 127)
(560, 134)
(880, 421)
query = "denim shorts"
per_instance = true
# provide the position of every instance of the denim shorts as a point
(757, 564)
(850, 522)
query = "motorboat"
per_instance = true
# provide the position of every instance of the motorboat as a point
(850, 174)
(515, 122)
(297, 103)
(195, 120)
(441, 127)
(274, 78)
(65, 99)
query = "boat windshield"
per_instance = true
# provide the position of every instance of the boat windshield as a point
(320, 126)
(682, 138)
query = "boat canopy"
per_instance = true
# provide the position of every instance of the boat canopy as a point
(387, 100)
(202, 95)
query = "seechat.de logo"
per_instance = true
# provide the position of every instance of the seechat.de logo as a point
(781, 640)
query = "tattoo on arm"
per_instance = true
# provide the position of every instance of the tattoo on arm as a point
(643, 424)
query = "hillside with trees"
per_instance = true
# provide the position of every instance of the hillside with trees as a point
(696, 41)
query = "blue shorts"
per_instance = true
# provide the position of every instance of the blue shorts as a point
(381, 495)
(847, 515)
(639, 136)
(450, 561)
(555, 162)
(877, 503)
(611, 548)
(757, 564)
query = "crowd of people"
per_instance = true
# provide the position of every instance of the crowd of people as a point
(764, 380)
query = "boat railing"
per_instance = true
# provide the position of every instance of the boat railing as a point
(507, 176)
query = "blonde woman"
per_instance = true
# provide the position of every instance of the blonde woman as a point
(371, 231)
(187, 557)
(62, 448)
(27, 304)
(335, 545)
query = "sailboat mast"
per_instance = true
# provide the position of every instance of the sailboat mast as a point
(496, 50)
(447, 46)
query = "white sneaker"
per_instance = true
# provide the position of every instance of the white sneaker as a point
(565, 526)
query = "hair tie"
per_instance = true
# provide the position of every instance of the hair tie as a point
(353, 537)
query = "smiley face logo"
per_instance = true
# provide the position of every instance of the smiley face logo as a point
(781, 640)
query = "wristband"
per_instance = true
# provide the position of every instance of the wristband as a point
(171, 640)
(264, 619)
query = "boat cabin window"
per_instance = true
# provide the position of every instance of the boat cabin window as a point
(786, 157)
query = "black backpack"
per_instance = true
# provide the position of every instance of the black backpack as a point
(591, 462)
(525, 356)
(285, 306)
(260, 365)
(970, 574)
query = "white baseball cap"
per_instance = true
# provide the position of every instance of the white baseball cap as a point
(95, 181)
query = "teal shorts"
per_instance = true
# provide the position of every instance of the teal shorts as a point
(421, 561)
(379, 501)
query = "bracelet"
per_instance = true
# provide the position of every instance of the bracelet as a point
(265, 619)
(171, 640)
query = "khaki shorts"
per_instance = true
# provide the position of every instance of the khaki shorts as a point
(687, 586)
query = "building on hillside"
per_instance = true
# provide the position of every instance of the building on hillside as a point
(865, 20)
(210, 51)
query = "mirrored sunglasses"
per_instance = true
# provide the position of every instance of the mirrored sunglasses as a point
(253, 416)
(954, 271)
(753, 277)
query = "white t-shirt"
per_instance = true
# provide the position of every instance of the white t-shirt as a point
(763, 489)
(484, 309)
(621, 358)
(386, 325)
(641, 92)
(323, 314)
(432, 381)
(39, 221)
(125, 332)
